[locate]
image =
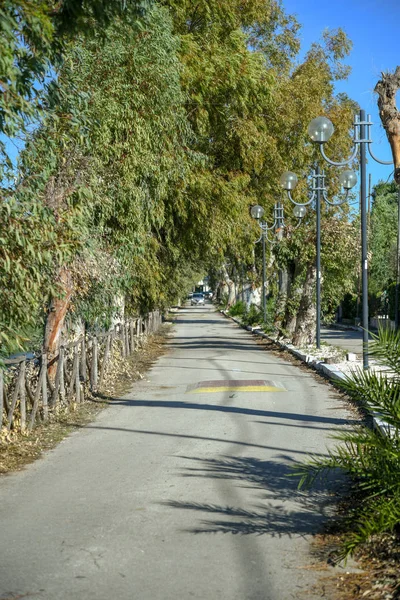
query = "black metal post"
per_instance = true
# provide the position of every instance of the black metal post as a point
(364, 246)
(264, 299)
(318, 265)
(396, 300)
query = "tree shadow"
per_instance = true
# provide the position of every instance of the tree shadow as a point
(282, 510)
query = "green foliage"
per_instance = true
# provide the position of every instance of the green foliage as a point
(34, 37)
(238, 309)
(254, 316)
(29, 249)
(383, 237)
(369, 456)
(139, 154)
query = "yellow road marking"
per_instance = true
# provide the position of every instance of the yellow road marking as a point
(244, 388)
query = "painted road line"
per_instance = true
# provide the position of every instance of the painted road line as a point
(235, 385)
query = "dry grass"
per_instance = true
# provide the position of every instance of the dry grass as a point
(375, 576)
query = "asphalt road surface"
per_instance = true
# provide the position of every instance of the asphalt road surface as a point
(348, 339)
(180, 489)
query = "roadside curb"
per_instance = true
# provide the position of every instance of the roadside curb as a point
(331, 373)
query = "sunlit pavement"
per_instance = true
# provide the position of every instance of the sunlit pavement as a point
(348, 339)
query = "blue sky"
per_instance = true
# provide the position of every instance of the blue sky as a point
(374, 28)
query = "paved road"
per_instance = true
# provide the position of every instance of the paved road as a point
(179, 490)
(348, 339)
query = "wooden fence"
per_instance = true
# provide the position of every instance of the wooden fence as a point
(28, 393)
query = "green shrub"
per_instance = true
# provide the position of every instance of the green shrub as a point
(224, 301)
(238, 309)
(253, 316)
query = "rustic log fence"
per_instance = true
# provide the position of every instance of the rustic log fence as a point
(28, 394)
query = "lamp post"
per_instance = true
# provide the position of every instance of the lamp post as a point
(289, 181)
(257, 212)
(320, 131)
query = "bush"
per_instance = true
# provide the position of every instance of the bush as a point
(369, 456)
(224, 301)
(238, 309)
(253, 316)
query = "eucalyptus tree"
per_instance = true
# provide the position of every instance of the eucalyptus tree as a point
(249, 104)
(33, 39)
(231, 52)
(106, 165)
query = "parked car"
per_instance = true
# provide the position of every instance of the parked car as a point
(208, 295)
(197, 299)
(190, 294)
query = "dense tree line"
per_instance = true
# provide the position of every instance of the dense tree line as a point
(150, 129)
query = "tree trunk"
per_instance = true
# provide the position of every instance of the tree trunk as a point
(281, 301)
(230, 285)
(387, 89)
(293, 296)
(306, 316)
(56, 319)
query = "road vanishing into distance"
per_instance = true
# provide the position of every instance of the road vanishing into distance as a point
(180, 489)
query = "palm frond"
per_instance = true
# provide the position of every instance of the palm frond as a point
(385, 347)
(378, 392)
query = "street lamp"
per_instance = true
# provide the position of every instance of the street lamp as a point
(288, 181)
(320, 131)
(257, 212)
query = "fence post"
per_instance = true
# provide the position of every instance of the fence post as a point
(105, 359)
(122, 338)
(44, 387)
(36, 397)
(77, 378)
(132, 332)
(72, 383)
(1, 396)
(59, 373)
(62, 378)
(83, 372)
(14, 398)
(93, 374)
(126, 329)
(22, 398)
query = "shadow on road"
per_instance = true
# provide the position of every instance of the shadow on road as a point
(276, 514)
(208, 344)
(227, 409)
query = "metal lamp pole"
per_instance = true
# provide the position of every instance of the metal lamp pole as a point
(318, 249)
(264, 280)
(257, 213)
(289, 181)
(320, 131)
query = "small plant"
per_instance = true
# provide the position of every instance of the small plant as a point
(238, 309)
(253, 316)
(224, 301)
